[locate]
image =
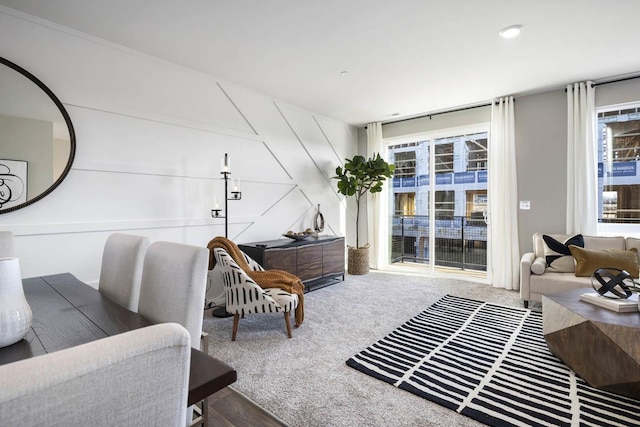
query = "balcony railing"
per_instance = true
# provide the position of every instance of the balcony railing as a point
(460, 242)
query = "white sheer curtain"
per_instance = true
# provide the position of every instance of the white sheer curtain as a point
(582, 166)
(503, 197)
(377, 209)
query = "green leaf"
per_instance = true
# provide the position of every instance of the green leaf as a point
(359, 176)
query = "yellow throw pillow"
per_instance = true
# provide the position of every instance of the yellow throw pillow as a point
(589, 260)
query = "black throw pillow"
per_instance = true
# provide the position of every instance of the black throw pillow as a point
(557, 254)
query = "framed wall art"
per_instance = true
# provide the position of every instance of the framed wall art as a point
(13, 183)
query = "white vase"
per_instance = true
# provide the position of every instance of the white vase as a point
(15, 313)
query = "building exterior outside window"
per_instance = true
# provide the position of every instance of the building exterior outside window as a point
(460, 174)
(459, 199)
(618, 156)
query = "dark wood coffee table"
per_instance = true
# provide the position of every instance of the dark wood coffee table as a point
(600, 345)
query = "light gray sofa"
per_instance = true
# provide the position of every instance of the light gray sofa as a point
(533, 285)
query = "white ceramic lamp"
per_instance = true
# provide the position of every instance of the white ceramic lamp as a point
(15, 313)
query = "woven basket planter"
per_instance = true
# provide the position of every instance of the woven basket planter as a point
(358, 260)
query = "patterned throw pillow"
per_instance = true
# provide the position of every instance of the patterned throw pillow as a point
(557, 254)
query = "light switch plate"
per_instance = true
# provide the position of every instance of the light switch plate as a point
(525, 205)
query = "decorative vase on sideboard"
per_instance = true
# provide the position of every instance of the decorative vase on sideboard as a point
(15, 313)
(318, 221)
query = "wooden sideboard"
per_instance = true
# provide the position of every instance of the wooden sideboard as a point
(317, 261)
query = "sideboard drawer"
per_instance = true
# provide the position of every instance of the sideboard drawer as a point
(280, 259)
(333, 257)
(307, 254)
(310, 271)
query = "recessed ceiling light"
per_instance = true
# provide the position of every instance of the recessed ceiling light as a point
(510, 32)
(344, 73)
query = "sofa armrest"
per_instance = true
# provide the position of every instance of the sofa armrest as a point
(525, 275)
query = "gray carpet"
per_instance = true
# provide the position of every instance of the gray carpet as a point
(305, 381)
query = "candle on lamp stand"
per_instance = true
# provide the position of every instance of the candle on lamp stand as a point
(225, 164)
(236, 194)
(215, 212)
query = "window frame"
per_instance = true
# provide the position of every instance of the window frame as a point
(612, 228)
(432, 136)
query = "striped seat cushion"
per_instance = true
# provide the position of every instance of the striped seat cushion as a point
(287, 301)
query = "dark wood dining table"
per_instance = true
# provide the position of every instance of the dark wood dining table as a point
(67, 312)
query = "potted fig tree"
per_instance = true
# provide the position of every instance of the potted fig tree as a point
(356, 178)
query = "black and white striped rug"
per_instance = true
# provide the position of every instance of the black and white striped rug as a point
(491, 363)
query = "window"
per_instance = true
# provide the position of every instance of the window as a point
(444, 157)
(476, 204)
(439, 197)
(618, 156)
(405, 163)
(405, 204)
(476, 151)
(445, 204)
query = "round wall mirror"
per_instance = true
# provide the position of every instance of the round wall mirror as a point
(37, 140)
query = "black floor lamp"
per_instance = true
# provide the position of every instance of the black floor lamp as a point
(216, 212)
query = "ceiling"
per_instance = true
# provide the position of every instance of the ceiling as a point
(403, 58)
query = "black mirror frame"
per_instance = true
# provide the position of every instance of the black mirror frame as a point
(72, 135)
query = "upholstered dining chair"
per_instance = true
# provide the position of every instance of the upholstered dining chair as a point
(135, 378)
(7, 244)
(245, 296)
(174, 280)
(121, 270)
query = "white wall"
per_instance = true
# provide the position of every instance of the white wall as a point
(541, 159)
(452, 120)
(150, 136)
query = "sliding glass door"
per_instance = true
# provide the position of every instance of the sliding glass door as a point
(439, 198)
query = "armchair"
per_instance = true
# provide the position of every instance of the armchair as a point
(244, 296)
